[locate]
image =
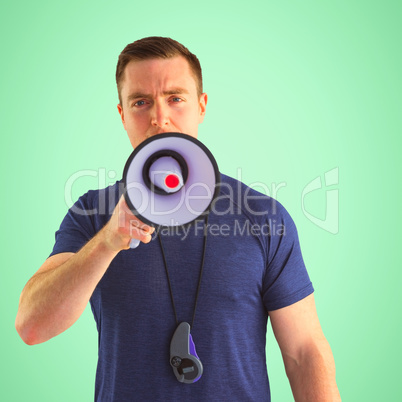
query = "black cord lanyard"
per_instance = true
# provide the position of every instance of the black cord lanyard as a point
(199, 278)
(186, 364)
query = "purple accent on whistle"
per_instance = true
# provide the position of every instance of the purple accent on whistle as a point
(194, 353)
(196, 379)
(192, 347)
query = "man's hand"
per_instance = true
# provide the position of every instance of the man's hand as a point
(124, 226)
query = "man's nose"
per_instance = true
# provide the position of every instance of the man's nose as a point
(160, 117)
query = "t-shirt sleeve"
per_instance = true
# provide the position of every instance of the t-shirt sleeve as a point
(286, 280)
(76, 229)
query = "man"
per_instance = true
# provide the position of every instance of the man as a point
(246, 276)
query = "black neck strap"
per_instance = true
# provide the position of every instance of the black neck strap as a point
(199, 278)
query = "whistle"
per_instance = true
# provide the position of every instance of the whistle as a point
(184, 360)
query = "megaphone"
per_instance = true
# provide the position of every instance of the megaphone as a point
(170, 179)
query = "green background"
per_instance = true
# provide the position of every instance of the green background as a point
(296, 89)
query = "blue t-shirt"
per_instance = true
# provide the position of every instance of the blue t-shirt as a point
(253, 264)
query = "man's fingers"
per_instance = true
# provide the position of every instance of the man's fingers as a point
(140, 225)
(126, 224)
(128, 219)
(138, 233)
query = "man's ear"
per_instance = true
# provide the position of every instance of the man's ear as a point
(203, 106)
(121, 113)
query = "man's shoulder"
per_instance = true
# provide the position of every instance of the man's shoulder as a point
(253, 203)
(230, 182)
(101, 201)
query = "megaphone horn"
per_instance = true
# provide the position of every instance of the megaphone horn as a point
(170, 179)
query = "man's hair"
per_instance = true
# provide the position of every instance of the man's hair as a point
(156, 47)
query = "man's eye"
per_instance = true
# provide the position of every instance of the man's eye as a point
(176, 99)
(139, 103)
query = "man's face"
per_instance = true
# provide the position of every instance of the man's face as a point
(159, 96)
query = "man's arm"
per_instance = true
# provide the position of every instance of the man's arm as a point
(308, 359)
(57, 294)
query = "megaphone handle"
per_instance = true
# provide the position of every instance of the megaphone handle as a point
(134, 243)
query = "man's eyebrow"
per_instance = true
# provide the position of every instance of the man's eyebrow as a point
(176, 91)
(173, 91)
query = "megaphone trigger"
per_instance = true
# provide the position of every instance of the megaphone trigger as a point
(134, 243)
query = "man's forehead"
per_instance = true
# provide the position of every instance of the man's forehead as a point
(146, 75)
